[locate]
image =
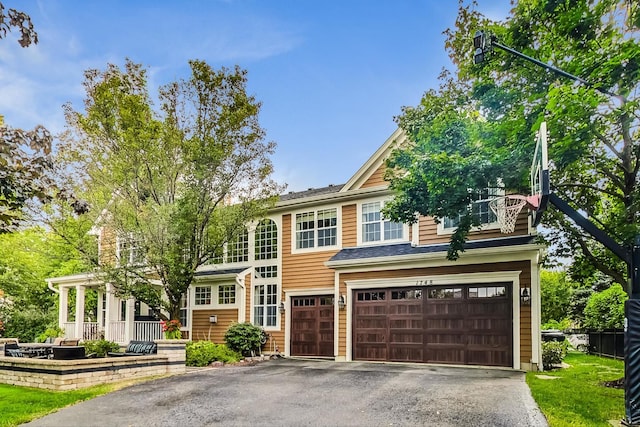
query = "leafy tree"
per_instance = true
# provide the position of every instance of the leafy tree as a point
(555, 293)
(498, 105)
(578, 301)
(176, 183)
(605, 309)
(20, 21)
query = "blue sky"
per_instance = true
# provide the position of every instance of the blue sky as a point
(331, 74)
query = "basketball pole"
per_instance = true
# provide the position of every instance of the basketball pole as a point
(630, 254)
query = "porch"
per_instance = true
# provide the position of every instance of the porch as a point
(116, 331)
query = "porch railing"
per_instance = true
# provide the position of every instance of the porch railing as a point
(91, 331)
(142, 331)
(147, 331)
(69, 329)
(116, 331)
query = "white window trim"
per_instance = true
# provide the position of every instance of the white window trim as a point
(129, 262)
(442, 230)
(265, 282)
(295, 250)
(214, 296)
(405, 227)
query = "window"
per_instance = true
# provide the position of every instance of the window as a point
(480, 208)
(265, 305)
(184, 310)
(317, 229)
(445, 293)
(488, 292)
(266, 245)
(238, 250)
(370, 296)
(202, 295)
(227, 294)
(375, 228)
(266, 272)
(129, 251)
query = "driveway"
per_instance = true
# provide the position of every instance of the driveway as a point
(289, 392)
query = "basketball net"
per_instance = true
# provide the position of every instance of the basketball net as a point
(507, 209)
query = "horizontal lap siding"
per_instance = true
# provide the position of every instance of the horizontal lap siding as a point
(203, 330)
(376, 179)
(525, 281)
(349, 224)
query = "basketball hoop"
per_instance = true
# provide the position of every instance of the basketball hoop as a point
(507, 209)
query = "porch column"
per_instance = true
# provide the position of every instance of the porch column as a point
(79, 312)
(107, 312)
(63, 307)
(129, 327)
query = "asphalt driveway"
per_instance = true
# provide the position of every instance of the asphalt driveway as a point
(289, 392)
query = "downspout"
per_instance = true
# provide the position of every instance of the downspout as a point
(50, 286)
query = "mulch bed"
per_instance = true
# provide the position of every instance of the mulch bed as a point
(619, 383)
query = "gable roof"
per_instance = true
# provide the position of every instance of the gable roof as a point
(375, 161)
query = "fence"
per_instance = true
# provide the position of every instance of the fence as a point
(609, 343)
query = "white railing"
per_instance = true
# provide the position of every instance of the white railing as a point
(91, 331)
(69, 329)
(147, 331)
(116, 331)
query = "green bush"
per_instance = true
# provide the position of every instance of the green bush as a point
(553, 353)
(562, 325)
(100, 347)
(51, 332)
(605, 309)
(244, 338)
(203, 353)
(27, 323)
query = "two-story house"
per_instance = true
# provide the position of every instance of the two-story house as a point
(326, 275)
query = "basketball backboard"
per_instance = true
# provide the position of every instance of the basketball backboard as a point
(540, 175)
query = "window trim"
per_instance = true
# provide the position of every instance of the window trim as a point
(316, 248)
(215, 289)
(128, 239)
(382, 241)
(442, 230)
(276, 305)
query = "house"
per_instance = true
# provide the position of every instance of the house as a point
(327, 276)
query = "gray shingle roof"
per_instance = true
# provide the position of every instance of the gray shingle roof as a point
(220, 272)
(406, 248)
(311, 192)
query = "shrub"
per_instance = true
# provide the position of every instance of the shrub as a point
(562, 325)
(100, 347)
(203, 353)
(244, 338)
(553, 353)
(50, 332)
(605, 309)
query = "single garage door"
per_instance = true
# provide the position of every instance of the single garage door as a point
(312, 326)
(466, 324)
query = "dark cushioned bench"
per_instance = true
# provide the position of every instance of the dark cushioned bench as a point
(137, 348)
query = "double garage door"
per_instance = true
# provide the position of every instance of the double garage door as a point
(466, 324)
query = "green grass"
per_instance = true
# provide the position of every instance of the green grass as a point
(577, 397)
(22, 404)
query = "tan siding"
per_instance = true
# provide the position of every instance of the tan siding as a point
(349, 226)
(107, 246)
(248, 286)
(525, 281)
(203, 330)
(376, 179)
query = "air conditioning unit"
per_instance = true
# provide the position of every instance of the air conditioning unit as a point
(213, 319)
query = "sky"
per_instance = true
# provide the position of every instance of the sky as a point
(331, 74)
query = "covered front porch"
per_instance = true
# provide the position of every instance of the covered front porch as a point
(90, 310)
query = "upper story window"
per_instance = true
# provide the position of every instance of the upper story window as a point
(129, 251)
(238, 249)
(316, 229)
(375, 228)
(202, 295)
(227, 294)
(479, 208)
(266, 240)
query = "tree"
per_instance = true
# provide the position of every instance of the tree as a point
(20, 21)
(594, 145)
(605, 310)
(555, 293)
(175, 184)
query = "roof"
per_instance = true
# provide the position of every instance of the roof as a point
(228, 271)
(383, 251)
(311, 192)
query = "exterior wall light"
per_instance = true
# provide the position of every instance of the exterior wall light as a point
(341, 302)
(525, 296)
(281, 307)
(213, 319)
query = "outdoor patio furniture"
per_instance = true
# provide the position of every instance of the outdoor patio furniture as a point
(70, 341)
(12, 352)
(66, 352)
(9, 347)
(137, 348)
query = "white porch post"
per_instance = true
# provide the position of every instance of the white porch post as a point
(107, 312)
(63, 307)
(79, 311)
(129, 328)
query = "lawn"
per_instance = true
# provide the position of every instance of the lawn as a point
(22, 404)
(577, 397)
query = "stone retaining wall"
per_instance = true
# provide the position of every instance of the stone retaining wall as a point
(73, 374)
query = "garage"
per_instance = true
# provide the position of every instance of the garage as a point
(454, 324)
(312, 326)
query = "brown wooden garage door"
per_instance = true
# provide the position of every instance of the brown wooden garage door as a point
(466, 324)
(312, 326)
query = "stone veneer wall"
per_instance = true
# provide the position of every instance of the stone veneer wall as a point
(74, 374)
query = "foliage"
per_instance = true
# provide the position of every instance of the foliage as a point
(578, 397)
(497, 106)
(203, 353)
(244, 338)
(171, 329)
(553, 353)
(50, 332)
(577, 303)
(20, 21)
(176, 183)
(100, 347)
(605, 309)
(555, 293)
(562, 325)
(27, 323)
